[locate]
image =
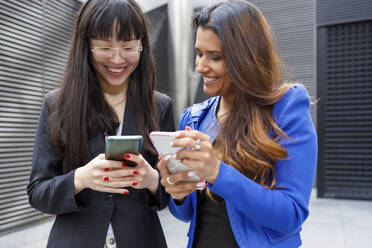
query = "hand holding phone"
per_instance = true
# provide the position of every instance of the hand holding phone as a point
(161, 141)
(118, 146)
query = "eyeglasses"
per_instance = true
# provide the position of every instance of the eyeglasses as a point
(128, 52)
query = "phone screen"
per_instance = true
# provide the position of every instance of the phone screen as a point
(118, 146)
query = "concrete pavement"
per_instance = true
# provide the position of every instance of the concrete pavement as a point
(331, 223)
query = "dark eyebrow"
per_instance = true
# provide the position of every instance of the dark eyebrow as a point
(209, 52)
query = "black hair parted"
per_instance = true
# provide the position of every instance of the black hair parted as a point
(104, 15)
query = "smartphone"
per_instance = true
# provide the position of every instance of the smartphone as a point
(161, 141)
(118, 146)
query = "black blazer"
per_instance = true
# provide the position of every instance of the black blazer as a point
(82, 220)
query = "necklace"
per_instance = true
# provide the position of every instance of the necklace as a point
(119, 102)
(218, 116)
(115, 100)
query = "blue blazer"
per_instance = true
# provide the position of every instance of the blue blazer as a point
(260, 217)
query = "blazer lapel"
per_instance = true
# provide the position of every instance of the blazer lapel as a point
(130, 126)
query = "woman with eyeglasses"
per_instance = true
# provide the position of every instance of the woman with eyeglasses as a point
(253, 142)
(108, 89)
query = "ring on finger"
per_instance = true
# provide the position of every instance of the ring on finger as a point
(197, 145)
(169, 181)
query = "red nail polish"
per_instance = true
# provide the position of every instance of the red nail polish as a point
(106, 179)
(127, 156)
(136, 172)
(124, 164)
(107, 169)
(126, 192)
(134, 183)
(188, 128)
(159, 158)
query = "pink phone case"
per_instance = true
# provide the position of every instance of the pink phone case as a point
(161, 141)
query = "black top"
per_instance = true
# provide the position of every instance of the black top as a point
(82, 220)
(212, 223)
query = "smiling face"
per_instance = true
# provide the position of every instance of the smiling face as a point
(114, 72)
(209, 63)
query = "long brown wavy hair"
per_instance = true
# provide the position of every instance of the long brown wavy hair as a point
(249, 139)
(80, 109)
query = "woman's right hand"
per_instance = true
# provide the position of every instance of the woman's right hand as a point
(172, 182)
(103, 175)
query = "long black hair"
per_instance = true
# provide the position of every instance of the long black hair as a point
(80, 109)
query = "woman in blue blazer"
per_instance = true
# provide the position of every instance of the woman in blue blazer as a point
(254, 142)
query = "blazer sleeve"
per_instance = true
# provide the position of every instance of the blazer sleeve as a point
(284, 209)
(166, 123)
(49, 190)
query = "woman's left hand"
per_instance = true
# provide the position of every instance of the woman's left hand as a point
(201, 158)
(144, 176)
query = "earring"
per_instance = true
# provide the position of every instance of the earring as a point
(140, 48)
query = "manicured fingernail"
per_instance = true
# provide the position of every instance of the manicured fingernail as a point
(107, 169)
(200, 185)
(191, 174)
(136, 172)
(171, 143)
(127, 156)
(188, 128)
(124, 164)
(126, 192)
(134, 183)
(159, 158)
(106, 179)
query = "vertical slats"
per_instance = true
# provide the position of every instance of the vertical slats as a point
(34, 39)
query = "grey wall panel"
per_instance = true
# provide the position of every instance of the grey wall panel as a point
(342, 11)
(293, 25)
(34, 39)
(157, 20)
(59, 19)
(149, 5)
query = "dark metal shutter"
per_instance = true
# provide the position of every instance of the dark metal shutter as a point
(157, 20)
(34, 40)
(330, 12)
(345, 110)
